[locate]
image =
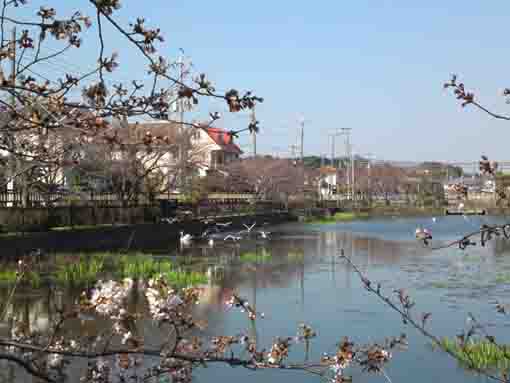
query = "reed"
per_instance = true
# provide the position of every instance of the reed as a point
(85, 271)
(181, 278)
(141, 266)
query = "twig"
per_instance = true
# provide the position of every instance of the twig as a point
(405, 315)
(24, 364)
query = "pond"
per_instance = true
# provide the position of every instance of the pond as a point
(297, 277)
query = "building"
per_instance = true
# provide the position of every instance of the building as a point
(329, 181)
(218, 149)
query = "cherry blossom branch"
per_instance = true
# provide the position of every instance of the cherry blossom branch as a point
(26, 366)
(404, 311)
(468, 98)
(486, 233)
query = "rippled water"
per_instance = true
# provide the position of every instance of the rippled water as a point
(298, 278)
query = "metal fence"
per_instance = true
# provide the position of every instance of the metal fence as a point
(38, 199)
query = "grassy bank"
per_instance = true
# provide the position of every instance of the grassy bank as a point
(340, 217)
(380, 211)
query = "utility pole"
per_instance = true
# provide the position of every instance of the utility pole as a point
(254, 133)
(348, 153)
(332, 136)
(302, 139)
(293, 149)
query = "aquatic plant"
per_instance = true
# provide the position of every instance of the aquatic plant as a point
(502, 278)
(181, 278)
(479, 354)
(145, 267)
(85, 271)
(141, 266)
(254, 257)
(10, 276)
(339, 217)
(296, 256)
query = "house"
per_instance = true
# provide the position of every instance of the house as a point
(329, 180)
(218, 149)
(202, 149)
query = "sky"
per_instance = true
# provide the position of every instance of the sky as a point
(376, 67)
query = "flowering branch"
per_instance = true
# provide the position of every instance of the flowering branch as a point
(403, 308)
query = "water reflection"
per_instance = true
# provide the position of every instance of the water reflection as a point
(297, 277)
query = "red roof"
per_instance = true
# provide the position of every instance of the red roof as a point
(223, 139)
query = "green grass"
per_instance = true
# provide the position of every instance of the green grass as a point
(251, 257)
(82, 227)
(340, 217)
(479, 354)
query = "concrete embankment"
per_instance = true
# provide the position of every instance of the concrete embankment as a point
(157, 237)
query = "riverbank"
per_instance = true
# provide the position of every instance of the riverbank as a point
(153, 237)
(366, 213)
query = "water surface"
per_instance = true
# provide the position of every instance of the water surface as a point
(297, 277)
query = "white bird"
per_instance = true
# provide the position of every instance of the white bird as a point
(461, 206)
(433, 219)
(211, 242)
(169, 220)
(249, 228)
(223, 224)
(185, 239)
(264, 234)
(232, 237)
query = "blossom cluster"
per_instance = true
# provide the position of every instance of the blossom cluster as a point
(241, 303)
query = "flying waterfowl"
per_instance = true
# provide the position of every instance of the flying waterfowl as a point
(185, 238)
(264, 234)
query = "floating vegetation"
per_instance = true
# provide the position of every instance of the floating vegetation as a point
(502, 278)
(479, 354)
(440, 284)
(297, 255)
(254, 257)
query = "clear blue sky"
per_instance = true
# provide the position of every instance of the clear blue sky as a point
(374, 66)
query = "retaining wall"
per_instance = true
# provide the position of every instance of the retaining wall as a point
(148, 237)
